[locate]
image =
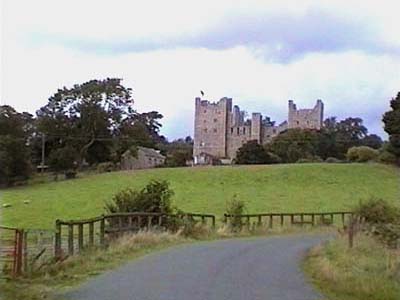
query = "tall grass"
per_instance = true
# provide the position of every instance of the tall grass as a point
(368, 271)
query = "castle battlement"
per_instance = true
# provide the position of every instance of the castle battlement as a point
(220, 129)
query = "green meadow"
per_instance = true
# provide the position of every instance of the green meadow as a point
(264, 188)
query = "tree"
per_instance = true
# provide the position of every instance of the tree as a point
(252, 153)
(178, 152)
(349, 133)
(15, 134)
(392, 126)
(14, 160)
(372, 141)
(86, 113)
(295, 144)
(64, 160)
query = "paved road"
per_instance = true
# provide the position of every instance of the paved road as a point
(240, 269)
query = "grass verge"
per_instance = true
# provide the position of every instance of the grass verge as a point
(368, 271)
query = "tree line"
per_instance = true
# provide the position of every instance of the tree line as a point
(95, 122)
(347, 139)
(80, 127)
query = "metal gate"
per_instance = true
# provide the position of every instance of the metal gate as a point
(11, 251)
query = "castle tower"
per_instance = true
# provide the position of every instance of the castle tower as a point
(210, 127)
(256, 127)
(306, 118)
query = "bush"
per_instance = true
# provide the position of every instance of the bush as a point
(387, 157)
(274, 158)
(235, 207)
(106, 167)
(155, 197)
(333, 160)
(378, 211)
(315, 159)
(362, 154)
(383, 220)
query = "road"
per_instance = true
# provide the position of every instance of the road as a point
(237, 269)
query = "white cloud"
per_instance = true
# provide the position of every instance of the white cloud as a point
(350, 83)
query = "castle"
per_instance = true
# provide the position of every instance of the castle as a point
(220, 129)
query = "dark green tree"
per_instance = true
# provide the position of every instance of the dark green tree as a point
(295, 144)
(64, 160)
(178, 152)
(372, 141)
(392, 126)
(84, 114)
(16, 130)
(253, 153)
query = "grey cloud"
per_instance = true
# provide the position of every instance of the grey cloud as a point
(278, 37)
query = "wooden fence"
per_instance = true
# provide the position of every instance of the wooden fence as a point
(281, 219)
(75, 235)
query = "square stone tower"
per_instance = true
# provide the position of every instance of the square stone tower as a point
(306, 118)
(210, 127)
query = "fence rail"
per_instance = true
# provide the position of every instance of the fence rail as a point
(304, 218)
(27, 250)
(76, 235)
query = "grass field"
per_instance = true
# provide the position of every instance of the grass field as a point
(289, 188)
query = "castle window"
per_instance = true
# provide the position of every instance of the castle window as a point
(238, 130)
(215, 120)
(205, 111)
(274, 131)
(202, 144)
(205, 130)
(298, 122)
(215, 129)
(205, 121)
(232, 130)
(244, 130)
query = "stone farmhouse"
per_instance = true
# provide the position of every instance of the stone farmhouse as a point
(220, 129)
(146, 158)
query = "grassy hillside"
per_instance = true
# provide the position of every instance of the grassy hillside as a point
(298, 187)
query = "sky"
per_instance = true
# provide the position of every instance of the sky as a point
(260, 53)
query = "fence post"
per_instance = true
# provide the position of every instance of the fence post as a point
(57, 240)
(25, 252)
(313, 219)
(351, 232)
(149, 219)
(19, 250)
(271, 221)
(259, 221)
(282, 220)
(102, 229)
(80, 237)
(343, 219)
(213, 222)
(70, 239)
(91, 234)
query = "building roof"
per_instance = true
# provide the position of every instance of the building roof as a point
(147, 151)
(151, 152)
